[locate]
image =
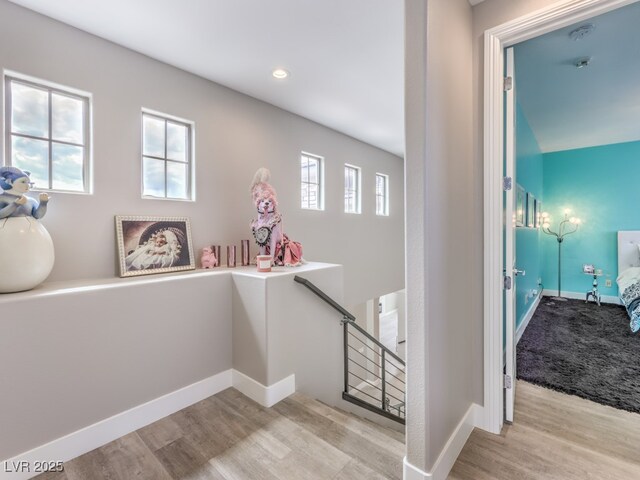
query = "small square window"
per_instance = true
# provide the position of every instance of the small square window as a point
(351, 189)
(382, 194)
(48, 134)
(166, 157)
(311, 182)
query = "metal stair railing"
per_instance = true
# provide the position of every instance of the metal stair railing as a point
(374, 376)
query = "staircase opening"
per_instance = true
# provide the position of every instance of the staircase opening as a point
(374, 374)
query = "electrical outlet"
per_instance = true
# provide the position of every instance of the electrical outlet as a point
(607, 283)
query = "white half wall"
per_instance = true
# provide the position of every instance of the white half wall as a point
(78, 356)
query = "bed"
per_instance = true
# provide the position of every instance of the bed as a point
(629, 275)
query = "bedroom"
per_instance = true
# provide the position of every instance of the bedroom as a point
(577, 144)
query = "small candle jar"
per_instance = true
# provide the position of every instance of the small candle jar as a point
(216, 250)
(231, 256)
(264, 263)
(244, 252)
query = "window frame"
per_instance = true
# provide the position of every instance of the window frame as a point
(190, 155)
(385, 196)
(320, 183)
(87, 128)
(357, 190)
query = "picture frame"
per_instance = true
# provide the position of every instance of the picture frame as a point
(538, 205)
(149, 245)
(531, 210)
(520, 206)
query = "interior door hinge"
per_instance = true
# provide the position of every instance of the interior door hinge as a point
(508, 83)
(507, 183)
(507, 282)
(507, 381)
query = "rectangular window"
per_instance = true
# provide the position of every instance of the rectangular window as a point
(382, 194)
(166, 157)
(351, 189)
(311, 182)
(48, 132)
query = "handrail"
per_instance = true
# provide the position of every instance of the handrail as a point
(324, 297)
(348, 316)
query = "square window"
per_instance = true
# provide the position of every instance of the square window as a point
(311, 182)
(48, 134)
(351, 189)
(166, 157)
(382, 194)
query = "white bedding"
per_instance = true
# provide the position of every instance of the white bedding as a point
(628, 277)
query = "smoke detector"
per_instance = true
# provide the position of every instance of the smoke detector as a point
(583, 62)
(581, 32)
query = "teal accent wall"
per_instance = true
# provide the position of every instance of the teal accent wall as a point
(600, 186)
(529, 175)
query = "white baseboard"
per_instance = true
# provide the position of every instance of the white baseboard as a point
(89, 438)
(527, 318)
(86, 439)
(451, 450)
(581, 296)
(265, 396)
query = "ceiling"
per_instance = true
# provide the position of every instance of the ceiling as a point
(570, 108)
(345, 57)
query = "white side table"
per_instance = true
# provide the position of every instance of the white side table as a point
(594, 290)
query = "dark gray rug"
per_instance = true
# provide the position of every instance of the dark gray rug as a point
(584, 350)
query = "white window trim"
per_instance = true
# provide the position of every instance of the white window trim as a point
(191, 195)
(386, 194)
(320, 181)
(358, 170)
(86, 97)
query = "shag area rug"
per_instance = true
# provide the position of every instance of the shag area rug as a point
(582, 349)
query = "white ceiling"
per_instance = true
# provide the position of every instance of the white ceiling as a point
(570, 108)
(345, 57)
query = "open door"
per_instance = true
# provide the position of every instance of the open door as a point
(510, 238)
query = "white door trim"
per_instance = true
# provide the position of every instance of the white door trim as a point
(496, 40)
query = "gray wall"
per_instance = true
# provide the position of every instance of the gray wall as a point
(440, 204)
(75, 358)
(235, 134)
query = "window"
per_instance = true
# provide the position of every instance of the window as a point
(382, 194)
(166, 157)
(48, 131)
(351, 189)
(311, 182)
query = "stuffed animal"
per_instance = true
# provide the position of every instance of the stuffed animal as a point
(208, 259)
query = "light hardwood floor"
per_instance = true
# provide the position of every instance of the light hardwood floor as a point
(230, 437)
(555, 436)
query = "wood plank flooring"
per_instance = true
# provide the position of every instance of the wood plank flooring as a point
(555, 436)
(230, 437)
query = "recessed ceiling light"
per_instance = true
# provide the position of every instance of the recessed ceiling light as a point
(280, 73)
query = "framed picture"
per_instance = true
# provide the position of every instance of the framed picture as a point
(149, 245)
(538, 205)
(520, 206)
(531, 210)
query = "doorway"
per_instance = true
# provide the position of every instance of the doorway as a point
(496, 41)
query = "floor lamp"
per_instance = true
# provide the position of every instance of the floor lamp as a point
(567, 226)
